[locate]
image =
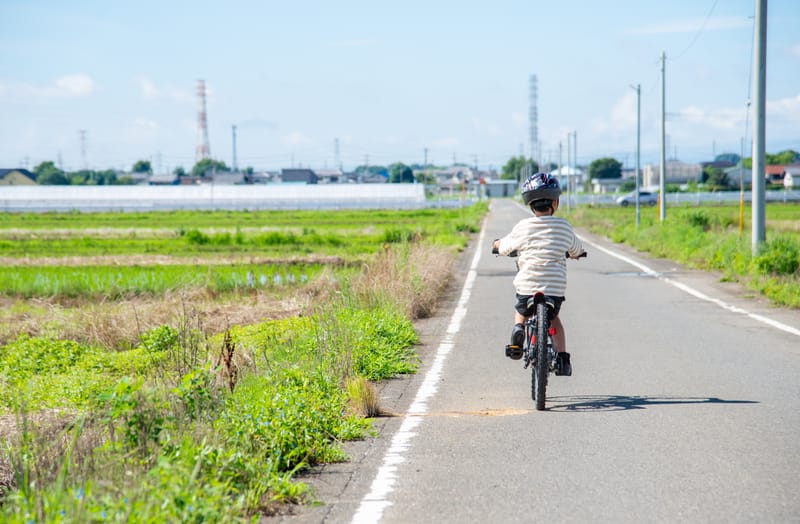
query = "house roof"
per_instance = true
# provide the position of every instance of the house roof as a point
(774, 170)
(4, 172)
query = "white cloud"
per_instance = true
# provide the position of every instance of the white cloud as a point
(795, 50)
(623, 114)
(74, 85)
(722, 119)
(67, 86)
(146, 123)
(151, 91)
(518, 119)
(690, 26)
(296, 138)
(446, 142)
(490, 128)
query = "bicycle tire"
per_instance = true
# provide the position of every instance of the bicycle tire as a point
(540, 370)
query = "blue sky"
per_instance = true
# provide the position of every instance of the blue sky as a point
(388, 80)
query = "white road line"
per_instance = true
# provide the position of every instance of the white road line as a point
(695, 293)
(377, 500)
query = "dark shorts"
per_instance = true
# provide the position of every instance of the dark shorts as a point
(522, 305)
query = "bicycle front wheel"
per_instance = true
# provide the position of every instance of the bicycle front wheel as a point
(539, 371)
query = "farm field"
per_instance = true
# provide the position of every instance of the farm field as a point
(708, 238)
(184, 365)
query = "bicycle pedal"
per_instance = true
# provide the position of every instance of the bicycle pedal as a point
(513, 352)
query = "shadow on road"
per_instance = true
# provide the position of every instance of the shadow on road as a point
(624, 402)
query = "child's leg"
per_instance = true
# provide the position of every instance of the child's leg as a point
(560, 338)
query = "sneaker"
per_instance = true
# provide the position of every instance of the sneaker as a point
(563, 366)
(518, 335)
(514, 350)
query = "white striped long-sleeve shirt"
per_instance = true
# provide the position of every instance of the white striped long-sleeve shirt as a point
(542, 243)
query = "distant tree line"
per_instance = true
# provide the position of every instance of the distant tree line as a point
(48, 174)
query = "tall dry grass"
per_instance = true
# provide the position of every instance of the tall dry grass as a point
(411, 275)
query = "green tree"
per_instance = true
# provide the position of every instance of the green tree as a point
(48, 174)
(716, 178)
(513, 168)
(179, 171)
(209, 165)
(400, 173)
(790, 156)
(781, 159)
(106, 178)
(424, 177)
(606, 167)
(142, 166)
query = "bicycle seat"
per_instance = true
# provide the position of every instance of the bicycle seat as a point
(539, 298)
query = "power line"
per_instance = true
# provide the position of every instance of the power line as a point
(699, 31)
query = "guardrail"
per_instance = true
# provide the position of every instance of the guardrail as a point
(700, 198)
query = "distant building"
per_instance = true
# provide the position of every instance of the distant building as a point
(739, 174)
(494, 188)
(17, 177)
(190, 180)
(225, 178)
(676, 172)
(164, 180)
(304, 176)
(575, 176)
(138, 177)
(775, 174)
(791, 178)
(607, 185)
(329, 176)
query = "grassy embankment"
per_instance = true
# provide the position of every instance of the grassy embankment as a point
(192, 385)
(708, 238)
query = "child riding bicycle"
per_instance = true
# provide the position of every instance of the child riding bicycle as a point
(541, 242)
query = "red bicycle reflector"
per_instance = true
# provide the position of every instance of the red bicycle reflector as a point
(551, 331)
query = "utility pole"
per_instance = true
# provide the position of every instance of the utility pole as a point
(425, 166)
(82, 133)
(662, 197)
(638, 90)
(234, 150)
(574, 163)
(559, 157)
(569, 161)
(759, 121)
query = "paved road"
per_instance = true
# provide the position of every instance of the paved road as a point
(678, 410)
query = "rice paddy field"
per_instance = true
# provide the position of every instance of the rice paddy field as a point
(183, 366)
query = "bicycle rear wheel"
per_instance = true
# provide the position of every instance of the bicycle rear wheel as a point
(540, 370)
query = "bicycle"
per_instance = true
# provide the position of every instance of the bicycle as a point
(538, 351)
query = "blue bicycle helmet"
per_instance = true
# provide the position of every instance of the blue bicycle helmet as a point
(540, 186)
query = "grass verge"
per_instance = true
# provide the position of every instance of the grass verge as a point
(708, 238)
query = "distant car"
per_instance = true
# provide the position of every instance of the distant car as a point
(645, 199)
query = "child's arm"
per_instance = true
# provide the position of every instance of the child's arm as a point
(576, 249)
(505, 246)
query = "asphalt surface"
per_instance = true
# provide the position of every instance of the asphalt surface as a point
(678, 410)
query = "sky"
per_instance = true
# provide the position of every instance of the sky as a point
(104, 84)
